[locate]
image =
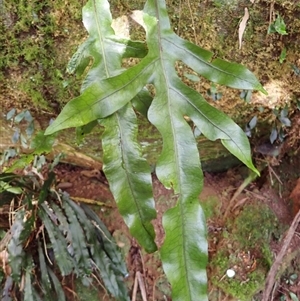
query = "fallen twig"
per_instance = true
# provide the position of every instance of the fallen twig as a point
(138, 281)
(275, 266)
(141, 285)
(135, 286)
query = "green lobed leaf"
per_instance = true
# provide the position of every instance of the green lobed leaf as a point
(184, 252)
(213, 123)
(142, 101)
(129, 175)
(216, 70)
(97, 20)
(103, 98)
(184, 255)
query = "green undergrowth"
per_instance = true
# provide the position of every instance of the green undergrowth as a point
(245, 248)
(36, 40)
(255, 227)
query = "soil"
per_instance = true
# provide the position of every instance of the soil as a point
(282, 198)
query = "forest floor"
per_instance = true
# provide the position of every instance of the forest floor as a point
(247, 241)
(250, 238)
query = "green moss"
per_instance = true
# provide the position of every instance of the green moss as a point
(246, 249)
(244, 291)
(242, 287)
(36, 40)
(254, 227)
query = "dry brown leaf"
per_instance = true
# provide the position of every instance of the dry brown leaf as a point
(4, 262)
(243, 26)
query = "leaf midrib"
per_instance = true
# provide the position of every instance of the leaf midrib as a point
(128, 176)
(207, 63)
(206, 118)
(178, 173)
(101, 39)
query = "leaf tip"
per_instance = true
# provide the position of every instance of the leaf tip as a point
(261, 89)
(49, 131)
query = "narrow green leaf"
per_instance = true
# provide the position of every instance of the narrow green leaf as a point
(184, 252)
(113, 283)
(20, 117)
(45, 189)
(60, 218)
(58, 243)
(36, 295)
(6, 187)
(85, 215)
(293, 296)
(129, 175)
(21, 163)
(16, 254)
(109, 245)
(30, 129)
(28, 289)
(252, 123)
(6, 290)
(81, 254)
(106, 261)
(60, 295)
(45, 280)
(15, 137)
